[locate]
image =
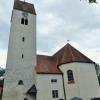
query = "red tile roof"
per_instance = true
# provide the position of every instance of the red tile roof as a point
(24, 6)
(46, 64)
(67, 54)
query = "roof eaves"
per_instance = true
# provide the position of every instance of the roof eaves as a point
(75, 62)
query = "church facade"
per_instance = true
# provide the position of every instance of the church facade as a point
(66, 75)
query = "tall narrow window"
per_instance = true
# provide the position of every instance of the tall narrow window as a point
(70, 76)
(55, 93)
(23, 39)
(22, 21)
(22, 56)
(26, 21)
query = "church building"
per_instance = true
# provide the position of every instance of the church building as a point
(66, 75)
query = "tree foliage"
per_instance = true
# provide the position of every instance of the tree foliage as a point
(2, 71)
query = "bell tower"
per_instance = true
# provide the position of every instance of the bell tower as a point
(19, 83)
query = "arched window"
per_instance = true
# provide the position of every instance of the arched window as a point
(20, 82)
(26, 21)
(70, 76)
(22, 21)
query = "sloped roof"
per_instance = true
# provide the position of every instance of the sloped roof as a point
(69, 54)
(32, 90)
(46, 64)
(24, 6)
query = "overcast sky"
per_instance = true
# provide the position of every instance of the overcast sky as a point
(57, 22)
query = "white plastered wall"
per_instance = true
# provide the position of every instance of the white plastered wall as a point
(18, 68)
(45, 86)
(86, 84)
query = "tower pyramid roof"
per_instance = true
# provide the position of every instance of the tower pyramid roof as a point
(24, 6)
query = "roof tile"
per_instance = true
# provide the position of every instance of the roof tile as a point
(67, 54)
(24, 6)
(47, 64)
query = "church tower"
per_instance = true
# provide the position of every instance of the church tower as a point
(19, 83)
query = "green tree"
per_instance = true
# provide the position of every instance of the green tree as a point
(2, 71)
(97, 67)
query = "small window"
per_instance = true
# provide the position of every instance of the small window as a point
(20, 82)
(54, 80)
(25, 98)
(22, 21)
(55, 93)
(70, 76)
(23, 39)
(22, 56)
(26, 21)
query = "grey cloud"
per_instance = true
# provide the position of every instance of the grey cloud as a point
(70, 20)
(81, 24)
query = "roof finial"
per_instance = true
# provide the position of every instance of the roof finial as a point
(68, 41)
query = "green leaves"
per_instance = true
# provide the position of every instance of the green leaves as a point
(97, 67)
(92, 1)
(2, 71)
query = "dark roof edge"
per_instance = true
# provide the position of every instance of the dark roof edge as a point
(77, 62)
(47, 73)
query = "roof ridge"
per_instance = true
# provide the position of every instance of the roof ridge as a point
(81, 53)
(71, 52)
(63, 53)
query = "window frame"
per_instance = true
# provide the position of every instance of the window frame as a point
(55, 94)
(70, 76)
